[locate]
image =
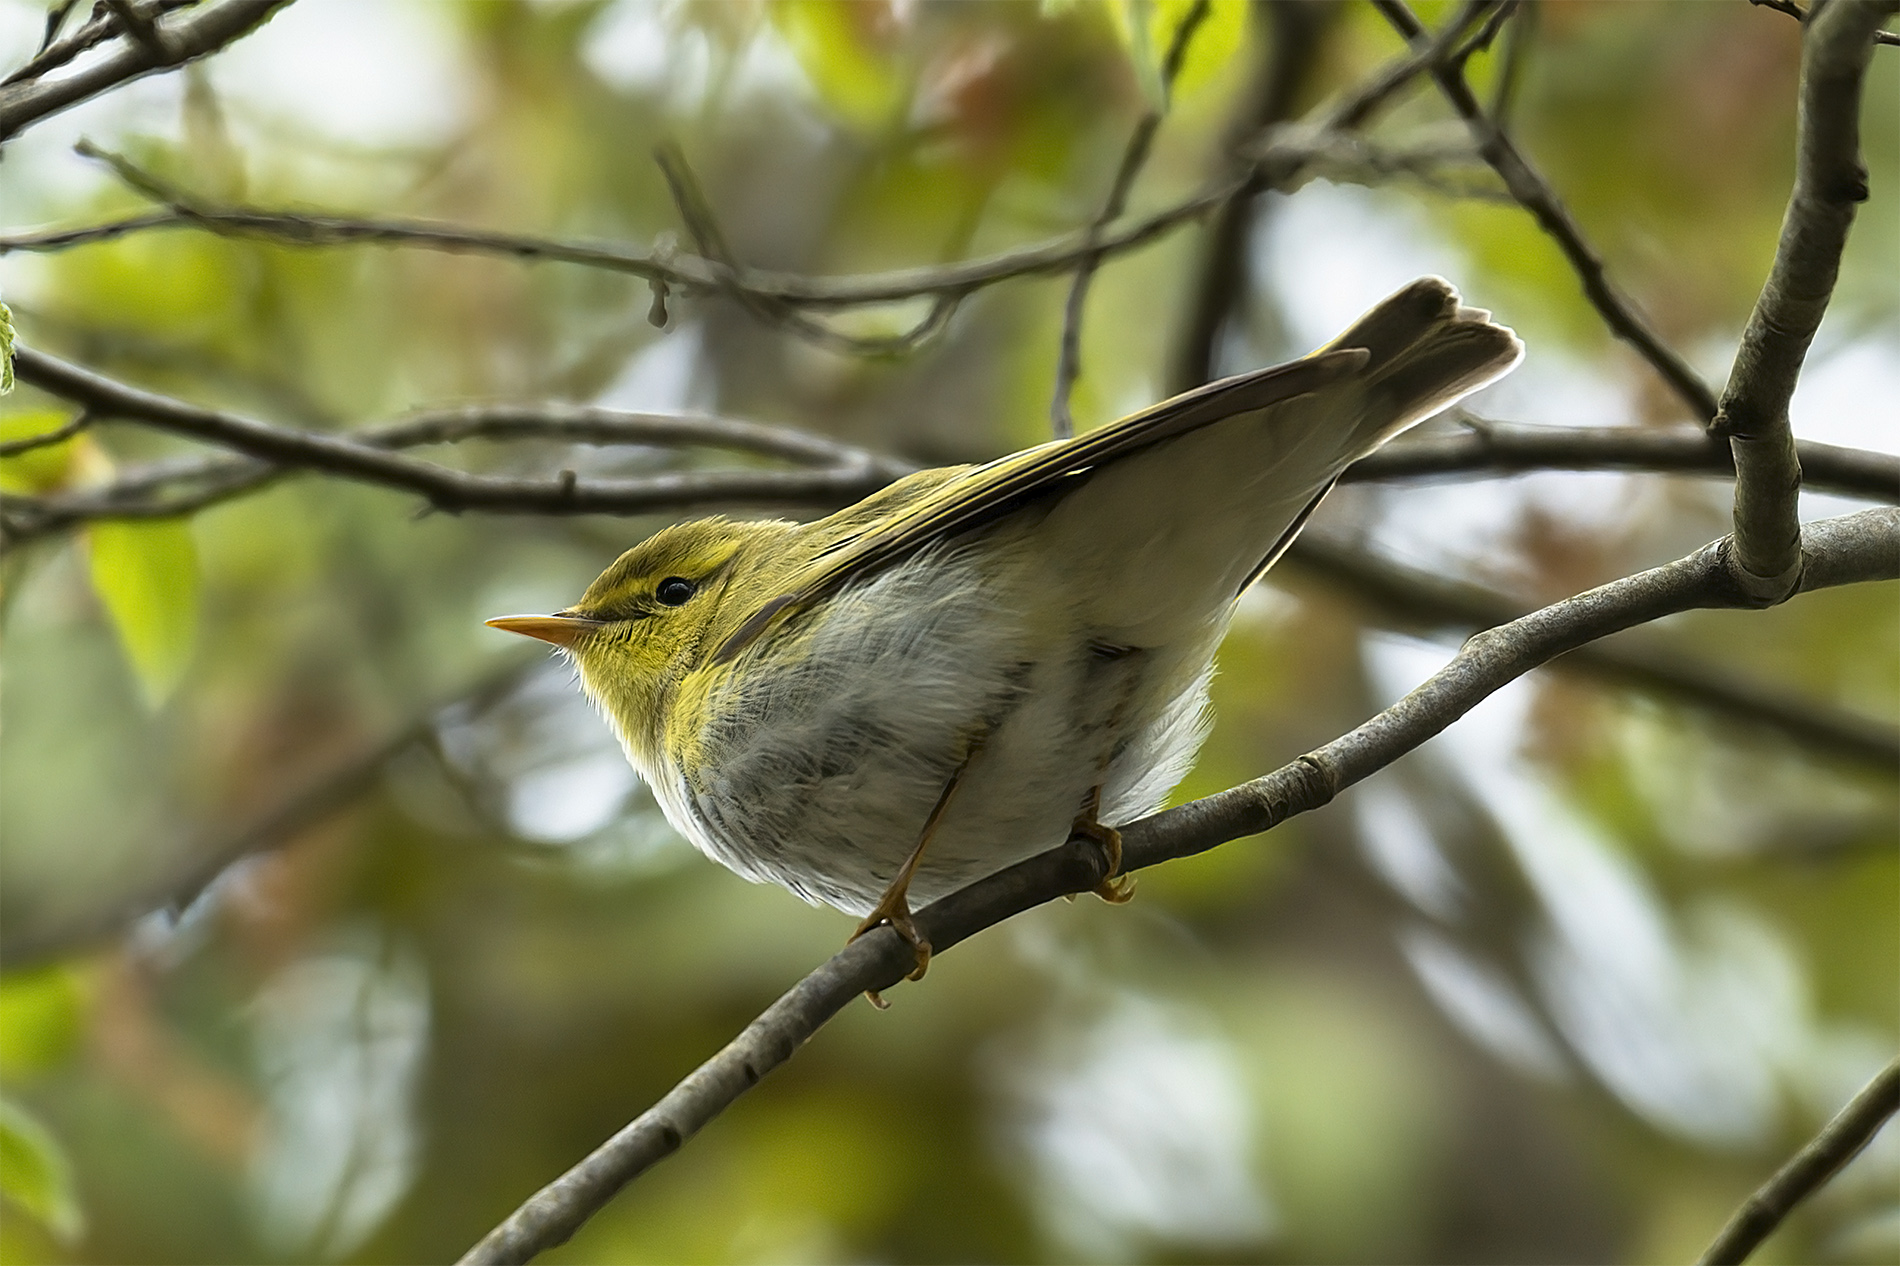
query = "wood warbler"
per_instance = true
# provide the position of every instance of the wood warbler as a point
(974, 663)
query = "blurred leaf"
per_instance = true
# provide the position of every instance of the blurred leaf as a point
(35, 1174)
(41, 1013)
(6, 350)
(1148, 28)
(1213, 45)
(831, 40)
(1134, 22)
(147, 576)
(217, 165)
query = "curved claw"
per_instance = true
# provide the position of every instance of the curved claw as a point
(895, 910)
(1115, 888)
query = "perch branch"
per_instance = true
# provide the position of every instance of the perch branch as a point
(1858, 547)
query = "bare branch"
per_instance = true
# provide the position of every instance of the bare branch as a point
(1134, 158)
(171, 488)
(589, 424)
(1536, 196)
(1829, 184)
(686, 273)
(1800, 14)
(26, 102)
(97, 29)
(1415, 598)
(1824, 1156)
(1864, 546)
(444, 488)
(1504, 448)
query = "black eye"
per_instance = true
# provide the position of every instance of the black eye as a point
(675, 590)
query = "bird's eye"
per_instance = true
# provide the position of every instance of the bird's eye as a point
(675, 590)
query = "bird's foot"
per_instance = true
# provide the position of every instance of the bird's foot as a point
(1115, 888)
(894, 909)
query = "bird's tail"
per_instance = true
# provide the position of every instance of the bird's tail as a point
(1427, 352)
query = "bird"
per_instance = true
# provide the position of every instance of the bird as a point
(977, 663)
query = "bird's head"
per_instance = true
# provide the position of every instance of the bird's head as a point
(659, 612)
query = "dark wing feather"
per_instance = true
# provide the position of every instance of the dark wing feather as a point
(991, 491)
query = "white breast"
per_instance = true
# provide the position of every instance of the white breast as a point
(822, 762)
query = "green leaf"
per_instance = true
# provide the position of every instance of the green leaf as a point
(42, 1015)
(835, 46)
(6, 350)
(35, 1174)
(1134, 21)
(1212, 46)
(1147, 29)
(147, 576)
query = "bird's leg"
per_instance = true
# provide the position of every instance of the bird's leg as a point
(894, 906)
(1115, 887)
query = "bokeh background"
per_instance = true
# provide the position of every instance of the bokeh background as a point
(1562, 986)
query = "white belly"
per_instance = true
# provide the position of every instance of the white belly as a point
(819, 772)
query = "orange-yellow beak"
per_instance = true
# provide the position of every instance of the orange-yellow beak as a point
(562, 630)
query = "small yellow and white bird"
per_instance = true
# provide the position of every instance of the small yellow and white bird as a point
(969, 666)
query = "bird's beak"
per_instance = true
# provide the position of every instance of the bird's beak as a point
(562, 630)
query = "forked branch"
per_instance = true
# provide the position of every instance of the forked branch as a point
(1830, 183)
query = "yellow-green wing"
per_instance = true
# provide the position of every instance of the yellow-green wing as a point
(991, 491)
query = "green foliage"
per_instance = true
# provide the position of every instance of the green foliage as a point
(42, 1018)
(1148, 28)
(42, 469)
(6, 350)
(146, 575)
(846, 50)
(35, 1175)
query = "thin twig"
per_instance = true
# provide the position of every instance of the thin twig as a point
(1830, 182)
(945, 284)
(56, 15)
(1288, 61)
(141, 28)
(1504, 448)
(1134, 158)
(97, 29)
(696, 212)
(1517, 42)
(1536, 196)
(1864, 546)
(193, 36)
(46, 439)
(680, 272)
(1824, 1156)
(319, 799)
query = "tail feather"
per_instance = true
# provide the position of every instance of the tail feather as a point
(1428, 352)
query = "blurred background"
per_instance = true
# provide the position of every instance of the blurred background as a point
(1564, 985)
